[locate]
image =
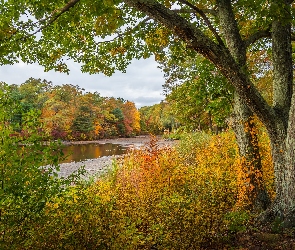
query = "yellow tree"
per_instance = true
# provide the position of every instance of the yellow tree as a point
(131, 118)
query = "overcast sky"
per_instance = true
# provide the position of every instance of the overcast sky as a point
(141, 84)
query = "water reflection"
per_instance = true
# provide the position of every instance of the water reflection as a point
(82, 152)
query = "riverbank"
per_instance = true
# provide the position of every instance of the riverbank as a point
(99, 165)
(92, 166)
(132, 141)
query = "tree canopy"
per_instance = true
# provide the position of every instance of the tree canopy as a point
(106, 35)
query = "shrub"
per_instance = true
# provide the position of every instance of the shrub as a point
(189, 143)
(26, 184)
(151, 199)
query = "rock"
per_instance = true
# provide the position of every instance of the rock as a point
(92, 166)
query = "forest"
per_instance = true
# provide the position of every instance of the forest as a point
(67, 113)
(228, 183)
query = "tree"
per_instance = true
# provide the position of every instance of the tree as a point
(156, 118)
(150, 118)
(119, 121)
(58, 111)
(83, 122)
(200, 98)
(30, 95)
(131, 118)
(33, 92)
(222, 31)
(16, 109)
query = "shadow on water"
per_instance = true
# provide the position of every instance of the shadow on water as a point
(81, 152)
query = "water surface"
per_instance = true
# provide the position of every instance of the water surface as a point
(81, 152)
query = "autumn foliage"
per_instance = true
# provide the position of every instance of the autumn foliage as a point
(67, 112)
(195, 195)
(153, 199)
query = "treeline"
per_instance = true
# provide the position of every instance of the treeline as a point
(67, 112)
(157, 118)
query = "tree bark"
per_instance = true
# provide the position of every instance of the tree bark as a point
(283, 140)
(246, 136)
(243, 125)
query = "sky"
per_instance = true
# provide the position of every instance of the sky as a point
(141, 84)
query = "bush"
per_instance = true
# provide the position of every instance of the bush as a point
(189, 143)
(26, 184)
(152, 199)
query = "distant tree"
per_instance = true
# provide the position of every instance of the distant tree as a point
(83, 122)
(156, 118)
(131, 118)
(59, 110)
(33, 92)
(119, 121)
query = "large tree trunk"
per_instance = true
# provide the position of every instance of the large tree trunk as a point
(243, 124)
(246, 136)
(283, 137)
(287, 197)
(280, 119)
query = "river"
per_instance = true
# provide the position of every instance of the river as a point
(81, 152)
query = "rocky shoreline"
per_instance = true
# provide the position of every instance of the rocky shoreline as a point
(92, 166)
(99, 165)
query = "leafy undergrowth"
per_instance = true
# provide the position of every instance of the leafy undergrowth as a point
(158, 198)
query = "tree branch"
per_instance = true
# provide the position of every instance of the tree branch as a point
(52, 18)
(256, 36)
(205, 18)
(208, 11)
(218, 54)
(230, 30)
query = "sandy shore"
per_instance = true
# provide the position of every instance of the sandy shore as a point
(100, 165)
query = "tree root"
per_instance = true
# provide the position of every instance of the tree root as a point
(275, 215)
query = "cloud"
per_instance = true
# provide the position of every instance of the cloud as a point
(141, 101)
(142, 83)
